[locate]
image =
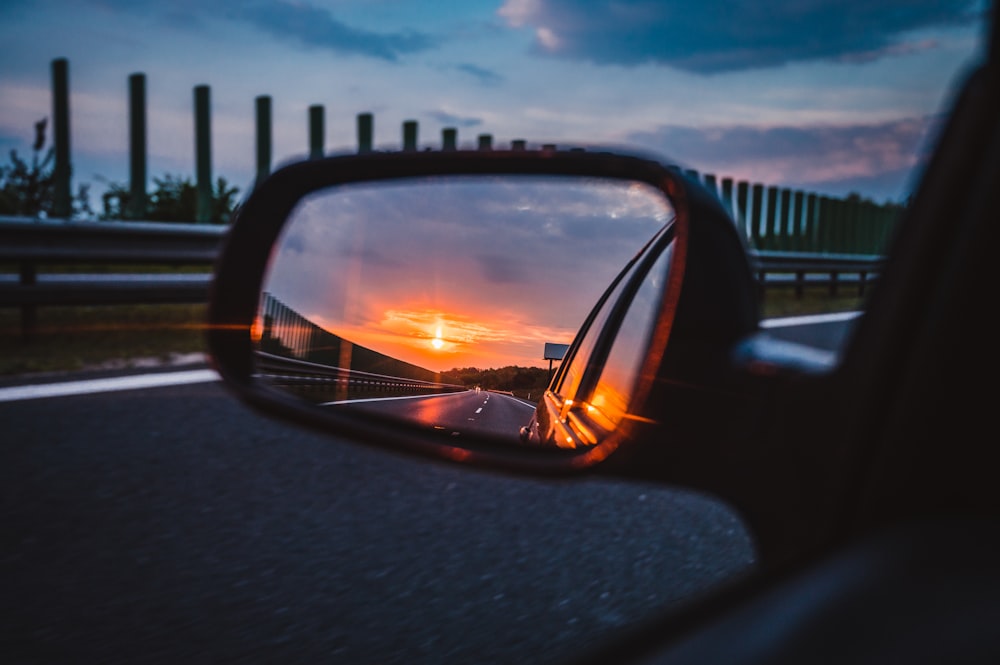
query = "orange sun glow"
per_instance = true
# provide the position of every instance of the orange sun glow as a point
(437, 342)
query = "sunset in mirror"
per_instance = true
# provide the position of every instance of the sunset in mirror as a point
(454, 272)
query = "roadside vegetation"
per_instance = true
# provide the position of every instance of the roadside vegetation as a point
(78, 338)
(27, 189)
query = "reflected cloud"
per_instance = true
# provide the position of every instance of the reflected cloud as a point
(493, 267)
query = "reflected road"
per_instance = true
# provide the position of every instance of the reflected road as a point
(468, 412)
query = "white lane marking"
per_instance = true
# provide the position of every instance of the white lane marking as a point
(479, 410)
(517, 400)
(92, 386)
(789, 321)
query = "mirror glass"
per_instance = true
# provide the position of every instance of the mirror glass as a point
(445, 302)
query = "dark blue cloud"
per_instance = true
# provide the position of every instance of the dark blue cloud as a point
(295, 21)
(875, 159)
(316, 27)
(453, 120)
(707, 37)
(14, 6)
(484, 76)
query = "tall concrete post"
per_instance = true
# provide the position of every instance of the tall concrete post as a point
(203, 153)
(365, 130)
(137, 146)
(315, 132)
(409, 135)
(62, 205)
(263, 113)
(449, 138)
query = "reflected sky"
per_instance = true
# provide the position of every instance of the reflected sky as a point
(461, 271)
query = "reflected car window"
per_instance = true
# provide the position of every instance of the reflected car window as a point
(569, 380)
(613, 391)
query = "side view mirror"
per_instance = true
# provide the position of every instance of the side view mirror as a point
(525, 309)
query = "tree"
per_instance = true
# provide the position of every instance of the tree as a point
(29, 189)
(174, 199)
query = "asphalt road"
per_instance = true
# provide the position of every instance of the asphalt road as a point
(173, 525)
(464, 413)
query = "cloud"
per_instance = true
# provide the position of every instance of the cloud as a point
(458, 253)
(709, 37)
(876, 157)
(316, 27)
(452, 120)
(14, 7)
(291, 21)
(484, 76)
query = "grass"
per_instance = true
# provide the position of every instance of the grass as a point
(780, 303)
(76, 338)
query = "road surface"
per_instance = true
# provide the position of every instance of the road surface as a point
(171, 524)
(458, 414)
(174, 525)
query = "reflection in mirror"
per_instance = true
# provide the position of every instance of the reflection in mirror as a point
(438, 301)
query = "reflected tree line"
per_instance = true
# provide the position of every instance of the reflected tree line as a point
(527, 382)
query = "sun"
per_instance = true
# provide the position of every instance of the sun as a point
(437, 342)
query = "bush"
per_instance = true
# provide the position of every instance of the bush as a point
(28, 190)
(174, 199)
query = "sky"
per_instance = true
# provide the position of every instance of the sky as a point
(829, 96)
(482, 272)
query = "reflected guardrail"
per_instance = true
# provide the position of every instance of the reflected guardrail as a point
(325, 383)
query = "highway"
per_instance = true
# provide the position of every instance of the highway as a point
(170, 523)
(465, 413)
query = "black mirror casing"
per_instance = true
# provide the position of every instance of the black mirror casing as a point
(709, 304)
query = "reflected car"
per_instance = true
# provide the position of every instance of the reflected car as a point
(590, 393)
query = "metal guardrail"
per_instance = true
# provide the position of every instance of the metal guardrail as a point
(26, 244)
(294, 373)
(799, 269)
(26, 241)
(30, 243)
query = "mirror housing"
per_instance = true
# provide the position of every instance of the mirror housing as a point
(709, 300)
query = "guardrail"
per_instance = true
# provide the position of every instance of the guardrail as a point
(302, 376)
(26, 244)
(799, 269)
(30, 243)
